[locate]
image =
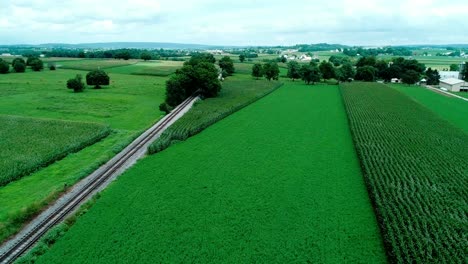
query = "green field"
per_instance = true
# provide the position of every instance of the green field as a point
(93, 64)
(128, 105)
(29, 144)
(415, 165)
(450, 108)
(277, 182)
(155, 68)
(238, 91)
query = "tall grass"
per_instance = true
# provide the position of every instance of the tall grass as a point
(237, 93)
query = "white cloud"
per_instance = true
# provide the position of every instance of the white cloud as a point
(241, 22)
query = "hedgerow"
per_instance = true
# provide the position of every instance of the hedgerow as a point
(415, 167)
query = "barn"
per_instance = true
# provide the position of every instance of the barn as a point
(452, 84)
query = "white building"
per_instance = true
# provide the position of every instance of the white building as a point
(448, 74)
(304, 57)
(453, 84)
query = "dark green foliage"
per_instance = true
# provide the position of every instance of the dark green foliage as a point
(81, 54)
(294, 70)
(454, 67)
(19, 65)
(164, 107)
(346, 72)
(410, 77)
(226, 64)
(271, 71)
(366, 73)
(432, 77)
(366, 61)
(241, 57)
(36, 64)
(123, 54)
(52, 66)
(200, 58)
(338, 60)
(310, 74)
(327, 70)
(4, 67)
(97, 78)
(201, 76)
(30, 59)
(464, 72)
(257, 70)
(39, 142)
(415, 166)
(145, 56)
(76, 84)
(283, 59)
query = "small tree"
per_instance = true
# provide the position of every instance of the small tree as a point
(4, 67)
(145, 56)
(76, 84)
(464, 72)
(36, 64)
(257, 70)
(432, 77)
(271, 70)
(97, 78)
(227, 65)
(242, 58)
(19, 65)
(283, 59)
(294, 70)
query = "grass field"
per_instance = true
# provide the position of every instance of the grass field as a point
(415, 165)
(450, 108)
(238, 91)
(29, 144)
(155, 68)
(93, 64)
(128, 105)
(277, 182)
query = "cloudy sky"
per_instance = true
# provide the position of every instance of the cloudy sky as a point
(235, 22)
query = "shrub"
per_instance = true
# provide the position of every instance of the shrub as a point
(76, 84)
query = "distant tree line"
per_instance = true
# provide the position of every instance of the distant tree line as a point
(19, 65)
(124, 54)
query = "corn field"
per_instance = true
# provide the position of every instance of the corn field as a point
(415, 166)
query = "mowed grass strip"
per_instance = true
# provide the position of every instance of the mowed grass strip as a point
(452, 109)
(154, 68)
(28, 144)
(416, 168)
(277, 182)
(93, 64)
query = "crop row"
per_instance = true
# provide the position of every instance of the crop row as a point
(415, 166)
(235, 95)
(28, 144)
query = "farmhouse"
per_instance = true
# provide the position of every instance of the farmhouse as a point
(453, 84)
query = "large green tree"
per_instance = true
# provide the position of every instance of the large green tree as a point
(4, 67)
(432, 77)
(226, 64)
(366, 73)
(97, 78)
(241, 57)
(257, 70)
(310, 74)
(294, 70)
(271, 70)
(199, 58)
(19, 65)
(146, 56)
(36, 64)
(410, 77)
(346, 72)
(327, 70)
(202, 77)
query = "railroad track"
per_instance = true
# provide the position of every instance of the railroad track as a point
(25, 242)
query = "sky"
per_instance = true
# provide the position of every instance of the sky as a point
(235, 22)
